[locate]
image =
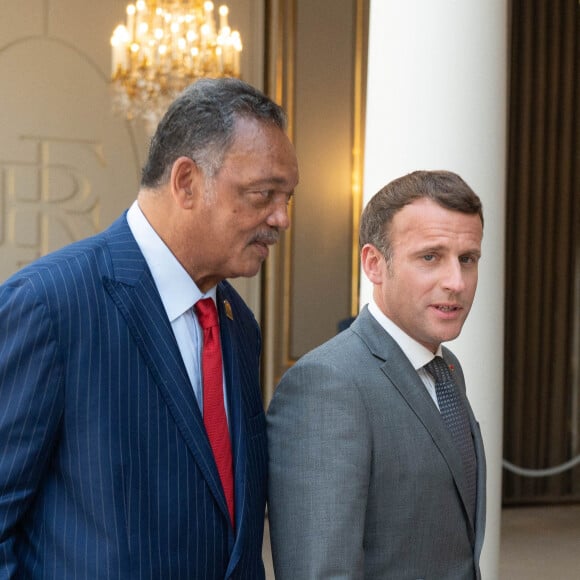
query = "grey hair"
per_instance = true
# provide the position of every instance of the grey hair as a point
(200, 124)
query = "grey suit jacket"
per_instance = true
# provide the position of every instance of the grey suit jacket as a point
(365, 481)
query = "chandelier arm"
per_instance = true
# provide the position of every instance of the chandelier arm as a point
(164, 46)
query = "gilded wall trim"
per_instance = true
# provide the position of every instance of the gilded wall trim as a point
(285, 318)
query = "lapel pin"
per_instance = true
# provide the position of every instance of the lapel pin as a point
(228, 308)
(451, 368)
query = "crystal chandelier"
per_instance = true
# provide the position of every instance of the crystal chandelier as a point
(165, 46)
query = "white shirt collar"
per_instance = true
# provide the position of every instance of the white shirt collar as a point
(417, 354)
(177, 290)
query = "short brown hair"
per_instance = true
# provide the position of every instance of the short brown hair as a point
(443, 187)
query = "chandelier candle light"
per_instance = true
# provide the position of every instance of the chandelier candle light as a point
(165, 46)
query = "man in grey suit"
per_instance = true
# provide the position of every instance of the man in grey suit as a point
(377, 467)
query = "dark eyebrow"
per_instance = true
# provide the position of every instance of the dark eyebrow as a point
(430, 249)
(269, 181)
(438, 248)
(473, 252)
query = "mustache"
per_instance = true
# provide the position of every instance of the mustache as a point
(268, 237)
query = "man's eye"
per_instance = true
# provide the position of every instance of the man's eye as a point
(429, 257)
(262, 194)
(272, 195)
(468, 259)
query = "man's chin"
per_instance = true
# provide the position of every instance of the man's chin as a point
(449, 335)
(248, 272)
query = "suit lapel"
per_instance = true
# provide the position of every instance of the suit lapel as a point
(414, 392)
(236, 420)
(135, 295)
(405, 379)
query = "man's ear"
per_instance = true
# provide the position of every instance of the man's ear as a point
(186, 182)
(372, 263)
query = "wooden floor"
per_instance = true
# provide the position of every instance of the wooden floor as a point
(537, 543)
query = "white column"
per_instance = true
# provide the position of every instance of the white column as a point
(437, 99)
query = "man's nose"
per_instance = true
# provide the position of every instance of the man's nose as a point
(453, 279)
(279, 216)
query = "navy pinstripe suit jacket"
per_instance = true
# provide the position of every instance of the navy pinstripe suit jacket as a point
(105, 467)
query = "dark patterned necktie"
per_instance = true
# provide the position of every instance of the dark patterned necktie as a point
(214, 413)
(455, 417)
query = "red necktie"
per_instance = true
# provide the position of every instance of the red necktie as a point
(214, 413)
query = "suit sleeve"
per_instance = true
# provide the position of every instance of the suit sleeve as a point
(320, 459)
(29, 410)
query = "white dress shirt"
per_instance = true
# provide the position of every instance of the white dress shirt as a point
(417, 354)
(178, 293)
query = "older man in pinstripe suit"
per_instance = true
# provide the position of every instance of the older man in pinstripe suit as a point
(106, 467)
